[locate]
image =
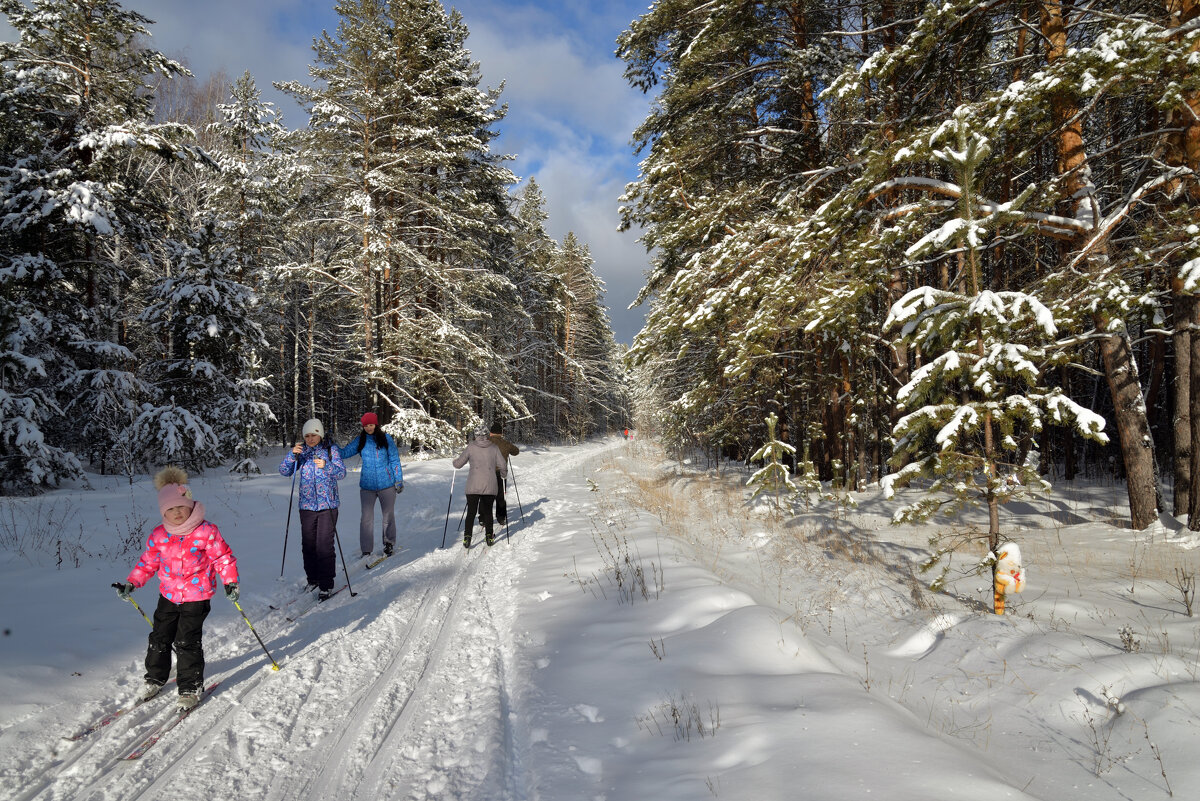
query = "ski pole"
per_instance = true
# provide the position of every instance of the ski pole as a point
(135, 606)
(507, 531)
(517, 491)
(446, 527)
(288, 527)
(502, 486)
(274, 664)
(345, 569)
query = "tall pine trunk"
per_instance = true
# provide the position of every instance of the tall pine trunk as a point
(1133, 426)
(1120, 367)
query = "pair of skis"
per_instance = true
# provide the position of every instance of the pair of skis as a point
(111, 717)
(159, 731)
(151, 737)
(312, 602)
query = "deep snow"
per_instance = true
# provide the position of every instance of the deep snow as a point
(645, 633)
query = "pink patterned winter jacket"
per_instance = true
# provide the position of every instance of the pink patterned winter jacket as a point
(187, 564)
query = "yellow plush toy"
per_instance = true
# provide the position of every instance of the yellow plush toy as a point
(1009, 575)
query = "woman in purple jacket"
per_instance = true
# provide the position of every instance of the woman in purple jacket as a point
(320, 466)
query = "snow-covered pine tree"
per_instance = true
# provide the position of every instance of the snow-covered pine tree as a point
(981, 390)
(734, 125)
(202, 318)
(399, 130)
(75, 117)
(538, 356)
(588, 372)
(246, 205)
(773, 478)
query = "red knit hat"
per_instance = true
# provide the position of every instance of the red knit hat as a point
(369, 419)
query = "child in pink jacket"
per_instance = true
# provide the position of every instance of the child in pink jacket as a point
(188, 553)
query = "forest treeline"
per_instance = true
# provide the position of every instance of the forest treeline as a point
(183, 278)
(955, 241)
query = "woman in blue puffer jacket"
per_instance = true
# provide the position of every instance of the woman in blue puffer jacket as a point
(381, 480)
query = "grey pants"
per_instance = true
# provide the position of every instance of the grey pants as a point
(366, 526)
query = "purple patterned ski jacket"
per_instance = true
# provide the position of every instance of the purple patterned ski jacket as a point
(318, 485)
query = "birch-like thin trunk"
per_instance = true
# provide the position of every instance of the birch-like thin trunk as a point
(1185, 307)
(312, 339)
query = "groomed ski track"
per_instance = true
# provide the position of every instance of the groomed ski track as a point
(374, 693)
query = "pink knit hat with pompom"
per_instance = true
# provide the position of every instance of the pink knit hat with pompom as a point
(173, 489)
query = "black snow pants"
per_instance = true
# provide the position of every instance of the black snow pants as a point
(181, 626)
(482, 504)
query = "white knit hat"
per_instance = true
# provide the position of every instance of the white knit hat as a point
(313, 426)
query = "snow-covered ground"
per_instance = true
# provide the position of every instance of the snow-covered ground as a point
(645, 633)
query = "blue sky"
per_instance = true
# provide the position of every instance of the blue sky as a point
(570, 111)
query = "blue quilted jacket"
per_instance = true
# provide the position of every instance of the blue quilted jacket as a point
(380, 468)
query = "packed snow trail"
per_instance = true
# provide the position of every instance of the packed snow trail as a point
(596, 655)
(396, 693)
(361, 686)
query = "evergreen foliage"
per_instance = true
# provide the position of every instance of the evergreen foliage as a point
(183, 279)
(773, 478)
(792, 192)
(75, 120)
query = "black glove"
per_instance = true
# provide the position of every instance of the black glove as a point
(124, 590)
(400, 488)
(231, 591)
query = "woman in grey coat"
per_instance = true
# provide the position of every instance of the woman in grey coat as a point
(487, 463)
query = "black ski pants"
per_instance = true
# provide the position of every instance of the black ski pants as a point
(501, 504)
(482, 504)
(181, 626)
(317, 531)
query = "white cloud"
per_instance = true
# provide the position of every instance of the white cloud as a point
(571, 115)
(555, 78)
(260, 36)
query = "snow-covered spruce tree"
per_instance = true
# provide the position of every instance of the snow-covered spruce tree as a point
(246, 207)
(74, 118)
(202, 318)
(773, 478)
(399, 131)
(981, 389)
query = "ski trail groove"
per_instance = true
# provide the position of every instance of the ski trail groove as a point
(400, 730)
(369, 712)
(332, 776)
